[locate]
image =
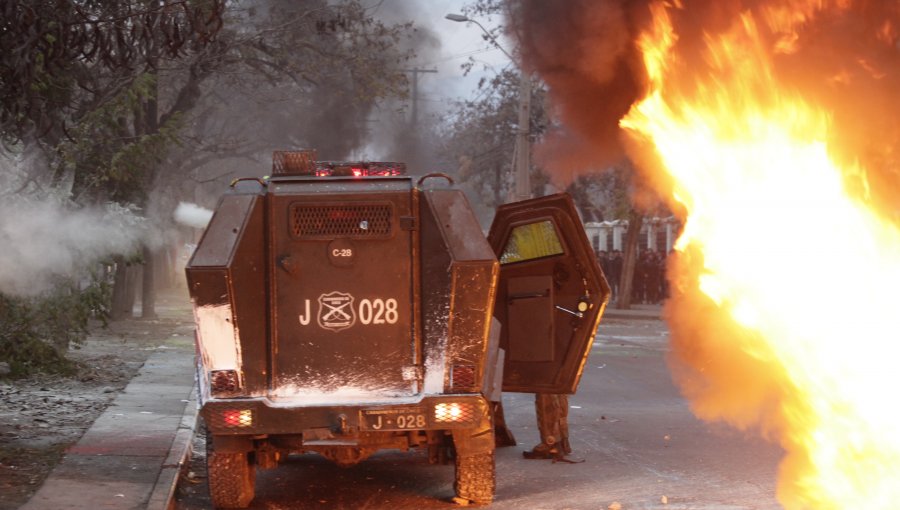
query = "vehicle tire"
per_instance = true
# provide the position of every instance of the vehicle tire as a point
(475, 477)
(231, 477)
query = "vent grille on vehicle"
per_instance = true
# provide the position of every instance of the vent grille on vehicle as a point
(323, 221)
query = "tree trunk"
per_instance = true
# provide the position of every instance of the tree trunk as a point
(119, 308)
(148, 286)
(164, 269)
(499, 196)
(635, 221)
(131, 285)
(150, 125)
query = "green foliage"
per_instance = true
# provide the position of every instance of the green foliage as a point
(292, 73)
(481, 136)
(107, 158)
(55, 51)
(603, 195)
(36, 332)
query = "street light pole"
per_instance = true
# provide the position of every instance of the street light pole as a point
(461, 18)
(522, 151)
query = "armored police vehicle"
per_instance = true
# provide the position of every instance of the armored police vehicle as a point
(346, 308)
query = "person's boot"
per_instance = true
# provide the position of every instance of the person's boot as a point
(542, 451)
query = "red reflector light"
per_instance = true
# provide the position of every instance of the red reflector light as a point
(237, 418)
(462, 377)
(223, 381)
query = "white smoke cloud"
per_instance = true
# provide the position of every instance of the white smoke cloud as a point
(41, 241)
(192, 215)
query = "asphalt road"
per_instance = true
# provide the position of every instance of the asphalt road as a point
(641, 447)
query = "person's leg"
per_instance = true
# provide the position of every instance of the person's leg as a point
(564, 424)
(546, 406)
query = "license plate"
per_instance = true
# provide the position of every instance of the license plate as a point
(395, 419)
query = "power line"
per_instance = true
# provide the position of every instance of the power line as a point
(460, 55)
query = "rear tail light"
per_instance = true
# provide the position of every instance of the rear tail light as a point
(237, 418)
(454, 412)
(224, 382)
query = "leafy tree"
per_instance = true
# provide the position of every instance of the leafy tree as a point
(480, 136)
(602, 195)
(79, 82)
(289, 74)
(55, 53)
(281, 74)
(108, 90)
(74, 76)
(155, 75)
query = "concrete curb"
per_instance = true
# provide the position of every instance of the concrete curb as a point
(162, 497)
(640, 314)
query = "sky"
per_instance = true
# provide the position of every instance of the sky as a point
(453, 44)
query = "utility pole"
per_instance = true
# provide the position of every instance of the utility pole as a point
(414, 121)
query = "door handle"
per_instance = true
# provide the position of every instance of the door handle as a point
(573, 312)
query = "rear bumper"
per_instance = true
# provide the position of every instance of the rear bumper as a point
(258, 416)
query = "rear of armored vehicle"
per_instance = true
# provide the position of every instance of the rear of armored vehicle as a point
(341, 316)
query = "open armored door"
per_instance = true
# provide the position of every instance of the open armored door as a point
(550, 296)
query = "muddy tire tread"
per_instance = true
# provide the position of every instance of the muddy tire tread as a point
(476, 477)
(231, 479)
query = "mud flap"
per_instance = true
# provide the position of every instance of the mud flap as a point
(493, 386)
(476, 440)
(502, 435)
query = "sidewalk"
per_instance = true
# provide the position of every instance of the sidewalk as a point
(131, 455)
(123, 460)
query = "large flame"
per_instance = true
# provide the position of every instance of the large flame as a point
(785, 313)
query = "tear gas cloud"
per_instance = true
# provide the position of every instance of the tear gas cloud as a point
(192, 215)
(42, 241)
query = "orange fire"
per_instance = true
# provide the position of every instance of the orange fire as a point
(784, 313)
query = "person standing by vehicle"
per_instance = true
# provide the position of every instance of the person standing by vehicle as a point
(603, 259)
(552, 411)
(615, 273)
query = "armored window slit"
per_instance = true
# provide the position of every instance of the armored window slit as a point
(328, 221)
